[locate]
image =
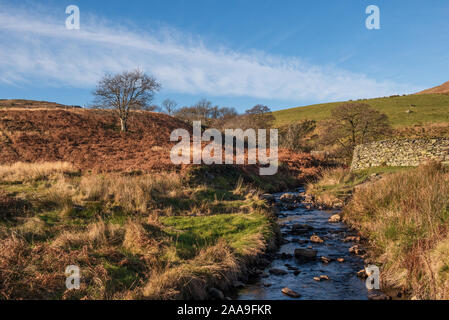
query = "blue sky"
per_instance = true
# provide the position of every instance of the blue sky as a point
(281, 53)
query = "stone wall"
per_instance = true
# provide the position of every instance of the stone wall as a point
(398, 153)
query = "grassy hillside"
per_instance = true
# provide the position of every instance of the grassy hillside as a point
(426, 108)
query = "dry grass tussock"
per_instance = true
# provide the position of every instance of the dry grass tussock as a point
(331, 176)
(214, 266)
(22, 171)
(131, 193)
(405, 215)
(97, 234)
(36, 271)
(32, 272)
(138, 240)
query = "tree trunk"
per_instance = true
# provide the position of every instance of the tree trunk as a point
(124, 126)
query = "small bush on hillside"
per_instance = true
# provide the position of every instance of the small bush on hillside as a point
(294, 136)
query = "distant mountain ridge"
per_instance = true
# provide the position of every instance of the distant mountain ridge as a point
(444, 88)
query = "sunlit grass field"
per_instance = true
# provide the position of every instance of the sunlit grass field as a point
(424, 109)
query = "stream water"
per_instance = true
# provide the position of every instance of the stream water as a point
(343, 283)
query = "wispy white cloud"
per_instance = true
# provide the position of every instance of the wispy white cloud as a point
(36, 47)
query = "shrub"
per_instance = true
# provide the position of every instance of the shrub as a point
(294, 136)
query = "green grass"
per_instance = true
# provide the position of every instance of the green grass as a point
(339, 185)
(194, 233)
(428, 108)
(121, 276)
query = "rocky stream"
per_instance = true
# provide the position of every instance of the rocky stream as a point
(319, 257)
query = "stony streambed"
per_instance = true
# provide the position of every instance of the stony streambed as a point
(314, 261)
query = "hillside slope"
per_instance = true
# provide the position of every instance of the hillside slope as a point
(425, 108)
(22, 103)
(90, 139)
(444, 88)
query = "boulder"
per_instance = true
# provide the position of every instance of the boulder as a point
(298, 226)
(288, 197)
(321, 278)
(357, 250)
(277, 272)
(351, 239)
(377, 295)
(299, 229)
(362, 274)
(216, 294)
(326, 260)
(302, 253)
(289, 292)
(335, 218)
(316, 239)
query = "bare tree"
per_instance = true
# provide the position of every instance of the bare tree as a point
(130, 90)
(200, 111)
(203, 108)
(352, 124)
(295, 136)
(226, 113)
(259, 117)
(169, 106)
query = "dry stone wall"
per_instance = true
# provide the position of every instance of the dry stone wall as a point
(398, 153)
